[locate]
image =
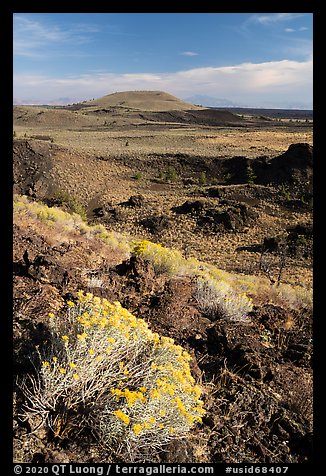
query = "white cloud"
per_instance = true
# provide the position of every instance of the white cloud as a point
(270, 18)
(291, 30)
(249, 83)
(189, 53)
(32, 38)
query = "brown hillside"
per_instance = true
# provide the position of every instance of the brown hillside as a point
(49, 117)
(144, 101)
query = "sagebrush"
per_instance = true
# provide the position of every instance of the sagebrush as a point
(104, 372)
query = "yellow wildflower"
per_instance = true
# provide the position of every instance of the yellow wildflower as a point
(117, 392)
(76, 376)
(155, 393)
(122, 416)
(72, 365)
(82, 336)
(62, 370)
(137, 428)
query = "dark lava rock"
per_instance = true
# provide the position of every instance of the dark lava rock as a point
(296, 242)
(214, 192)
(32, 161)
(228, 217)
(47, 270)
(294, 166)
(107, 213)
(273, 244)
(302, 229)
(237, 169)
(193, 208)
(155, 223)
(233, 218)
(136, 201)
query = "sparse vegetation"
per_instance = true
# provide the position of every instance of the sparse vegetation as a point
(228, 177)
(202, 178)
(54, 216)
(219, 292)
(218, 300)
(169, 175)
(138, 176)
(63, 198)
(251, 176)
(285, 192)
(163, 260)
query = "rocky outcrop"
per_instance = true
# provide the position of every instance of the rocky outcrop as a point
(226, 216)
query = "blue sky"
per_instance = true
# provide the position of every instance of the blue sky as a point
(251, 59)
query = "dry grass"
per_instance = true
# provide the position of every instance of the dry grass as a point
(57, 227)
(187, 140)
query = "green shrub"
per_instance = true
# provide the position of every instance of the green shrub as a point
(203, 178)
(251, 177)
(137, 176)
(170, 174)
(64, 198)
(285, 192)
(104, 372)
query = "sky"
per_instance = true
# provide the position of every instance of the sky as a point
(243, 59)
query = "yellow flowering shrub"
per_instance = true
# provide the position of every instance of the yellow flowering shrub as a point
(53, 216)
(216, 297)
(105, 371)
(163, 259)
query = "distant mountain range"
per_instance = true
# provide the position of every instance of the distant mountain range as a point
(37, 102)
(210, 101)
